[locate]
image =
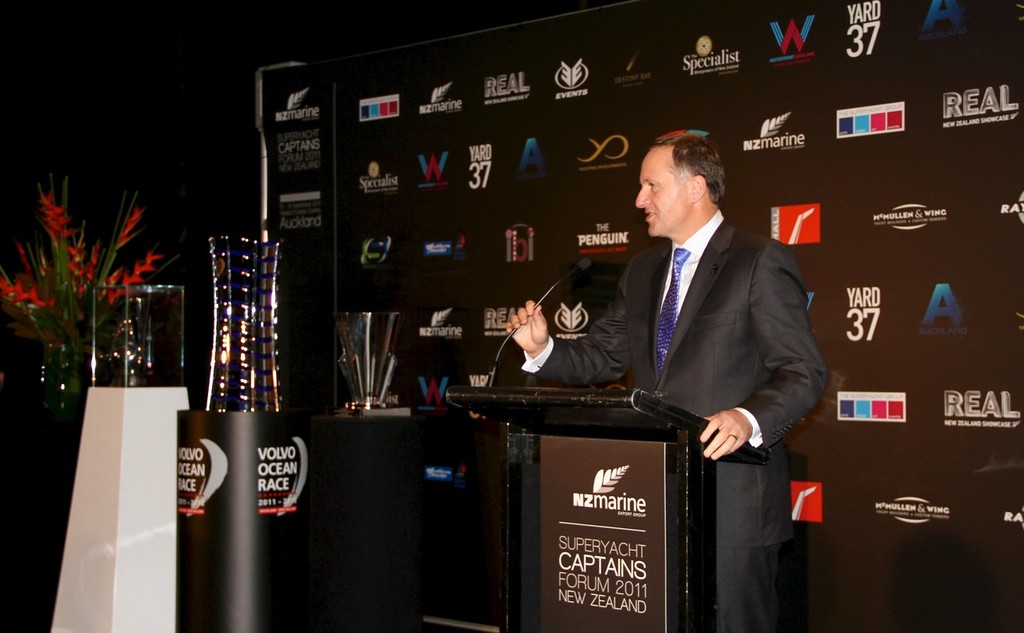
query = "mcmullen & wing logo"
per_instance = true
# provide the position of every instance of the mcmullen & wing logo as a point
(806, 499)
(977, 409)
(909, 217)
(376, 108)
(978, 107)
(571, 321)
(792, 38)
(201, 472)
(570, 79)
(605, 482)
(797, 223)
(771, 139)
(296, 111)
(869, 120)
(911, 509)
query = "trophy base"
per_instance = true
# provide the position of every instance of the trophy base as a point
(351, 410)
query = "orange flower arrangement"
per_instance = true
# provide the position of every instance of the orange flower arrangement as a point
(50, 301)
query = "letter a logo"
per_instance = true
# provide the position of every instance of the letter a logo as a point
(943, 304)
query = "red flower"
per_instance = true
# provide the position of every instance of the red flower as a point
(129, 226)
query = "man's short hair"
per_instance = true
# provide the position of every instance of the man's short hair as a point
(693, 155)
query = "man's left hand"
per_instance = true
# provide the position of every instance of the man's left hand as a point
(733, 432)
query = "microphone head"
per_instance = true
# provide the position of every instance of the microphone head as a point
(583, 264)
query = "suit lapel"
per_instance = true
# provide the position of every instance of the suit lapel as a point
(711, 263)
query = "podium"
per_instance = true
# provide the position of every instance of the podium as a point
(609, 517)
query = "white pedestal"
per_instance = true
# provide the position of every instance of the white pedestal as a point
(118, 573)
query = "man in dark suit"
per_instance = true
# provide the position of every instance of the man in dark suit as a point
(737, 348)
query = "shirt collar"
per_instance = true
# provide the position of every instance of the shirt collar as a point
(698, 242)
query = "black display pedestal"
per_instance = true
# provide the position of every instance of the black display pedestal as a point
(366, 484)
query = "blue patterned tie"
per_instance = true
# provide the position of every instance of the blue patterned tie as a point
(670, 308)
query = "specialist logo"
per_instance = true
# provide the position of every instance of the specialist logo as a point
(296, 110)
(506, 88)
(602, 240)
(531, 164)
(911, 510)
(375, 251)
(797, 223)
(806, 500)
(869, 120)
(944, 19)
(480, 157)
(298, 150)
(519, 243)
(979, 409)
(865, 308)
(432, 391)
(433, 172)
(571, 79)
(376, 182)
(632, 76)
(771, 139)
(602, 497)
(865, 23)
(910, 217)
(605, 154)
(706, 60)
(792, 41)
(871, 406)
(943, 316)
(201, 473)
(376, 108)
(439, 326)
(1014, 208)
(572, 321)
(300, 210)
(495, 320)
(439, 101)
(978, 106)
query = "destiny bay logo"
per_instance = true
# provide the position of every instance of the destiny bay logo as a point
(601, 497)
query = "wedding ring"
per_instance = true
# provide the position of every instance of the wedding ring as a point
(732, 436)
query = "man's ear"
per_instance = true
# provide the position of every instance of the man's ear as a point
(697, 187)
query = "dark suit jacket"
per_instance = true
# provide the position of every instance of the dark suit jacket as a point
(743, 339)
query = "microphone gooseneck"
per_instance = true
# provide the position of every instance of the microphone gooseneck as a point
(577, 268)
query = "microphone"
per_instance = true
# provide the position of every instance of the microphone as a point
(577, 268)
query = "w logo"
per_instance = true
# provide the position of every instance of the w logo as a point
(792, 35)
(432, 171)
(433, 393)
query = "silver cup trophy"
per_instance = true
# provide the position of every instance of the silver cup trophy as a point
(368, 360)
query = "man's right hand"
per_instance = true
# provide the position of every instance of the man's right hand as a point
(530, 327)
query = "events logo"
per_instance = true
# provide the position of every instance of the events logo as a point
(943, 315)
(201, 472)
(944, 19)
(1014, 208)
(603, 240)
(980, 409)
(439, 327)
(871, 406)
(506, 88)
(570, 79)
(978, 107)
(865, 308)
(432, 391)
(909, 217)
(433, 172)
(911, 510)
(868, 120)
(794, 38)
(865, 23)
(572, 321)
(298, 150)
(605, 482)
(771, 139)
(296, 111)
(375, 250)
(519, 243)
(480, 165)
(300, 210)
(806, 499)
(706, 60)
(495, 320)
(632, 76)
(797, 223)
(606, 153)
(531, 163)
(376, 108)
(376, 182)
(439, 101)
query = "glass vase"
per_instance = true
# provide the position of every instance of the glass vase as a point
(62, 380)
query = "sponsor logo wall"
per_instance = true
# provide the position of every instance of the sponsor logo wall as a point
(879, 140)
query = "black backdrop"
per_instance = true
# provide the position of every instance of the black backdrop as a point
(910, 467)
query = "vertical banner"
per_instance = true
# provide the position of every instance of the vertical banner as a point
(603, 543)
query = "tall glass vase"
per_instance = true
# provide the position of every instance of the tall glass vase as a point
(62, 380)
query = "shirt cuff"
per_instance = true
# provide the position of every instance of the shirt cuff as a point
(755, 439)
(533, 365)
